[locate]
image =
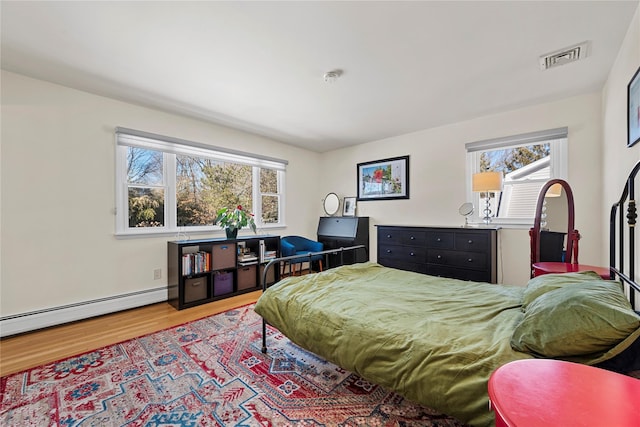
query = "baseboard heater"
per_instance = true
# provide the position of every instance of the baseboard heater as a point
(25, 322)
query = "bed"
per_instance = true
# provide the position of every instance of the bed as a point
(436, 341)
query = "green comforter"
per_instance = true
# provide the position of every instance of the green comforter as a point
(436, 341)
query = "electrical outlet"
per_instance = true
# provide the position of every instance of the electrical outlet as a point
(157, 274)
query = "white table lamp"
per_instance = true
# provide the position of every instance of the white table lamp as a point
(487, 182)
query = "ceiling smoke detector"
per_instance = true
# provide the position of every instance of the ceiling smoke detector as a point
(332, 76)
(565, 56)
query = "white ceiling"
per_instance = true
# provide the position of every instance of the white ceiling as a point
(258, 66)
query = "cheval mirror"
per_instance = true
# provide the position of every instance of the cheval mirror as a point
(555, 213)
(553, 238)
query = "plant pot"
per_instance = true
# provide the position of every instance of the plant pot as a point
(232, 233)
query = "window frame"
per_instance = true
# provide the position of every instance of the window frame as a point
(558, 168)
(171, 147)
(258, 195)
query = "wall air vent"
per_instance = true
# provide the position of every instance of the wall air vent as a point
(564, 56)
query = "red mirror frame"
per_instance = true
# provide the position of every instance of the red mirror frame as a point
(572, 234)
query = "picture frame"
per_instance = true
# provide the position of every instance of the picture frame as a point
(385, 179)
(349, 206)
(633, 110)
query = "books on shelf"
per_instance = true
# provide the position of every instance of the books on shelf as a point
(250, 256)
(195, 263)
(246, 257)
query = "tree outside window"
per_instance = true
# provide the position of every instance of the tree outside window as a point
(145, 178)
(199, 185)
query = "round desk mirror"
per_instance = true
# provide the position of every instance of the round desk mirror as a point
(331, 204)
(466, 209)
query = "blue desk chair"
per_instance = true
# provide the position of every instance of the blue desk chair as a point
(298, 245)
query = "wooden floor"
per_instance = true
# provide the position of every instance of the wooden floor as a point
(27, 350)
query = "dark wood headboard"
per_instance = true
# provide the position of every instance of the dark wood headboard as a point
(622, 254)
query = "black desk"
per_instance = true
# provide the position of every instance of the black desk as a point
(342, 231)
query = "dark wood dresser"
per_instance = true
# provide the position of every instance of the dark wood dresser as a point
(459, 253)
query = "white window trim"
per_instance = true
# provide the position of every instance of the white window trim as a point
(558, 139)
(257, 195)
(170, 147)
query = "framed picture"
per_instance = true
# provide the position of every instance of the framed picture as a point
(384, 179)
(633, 108)
(349, 206)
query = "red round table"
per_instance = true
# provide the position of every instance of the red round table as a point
(544, 392)
(540, 268)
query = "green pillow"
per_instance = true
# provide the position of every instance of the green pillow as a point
(576, 319)
(549, 282)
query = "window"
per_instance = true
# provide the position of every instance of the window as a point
(146, 188)
(166, 184)
(527, 162)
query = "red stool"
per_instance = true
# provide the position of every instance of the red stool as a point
(540, 268)
(544, 392)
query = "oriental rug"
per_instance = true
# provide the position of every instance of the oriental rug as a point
(209, 372)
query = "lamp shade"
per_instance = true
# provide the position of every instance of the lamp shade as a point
(554, 191)
(487, 181)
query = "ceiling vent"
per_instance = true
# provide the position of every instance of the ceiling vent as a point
(564, 56)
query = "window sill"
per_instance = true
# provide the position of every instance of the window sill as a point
(501, 224)
(192, 234)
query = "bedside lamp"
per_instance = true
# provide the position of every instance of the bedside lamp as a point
(487, 182)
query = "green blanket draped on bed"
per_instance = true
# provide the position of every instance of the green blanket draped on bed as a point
(436, 341)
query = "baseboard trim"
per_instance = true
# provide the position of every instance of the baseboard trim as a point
(25, 322)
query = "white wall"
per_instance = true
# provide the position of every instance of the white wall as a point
(437, 175)
(618, 160)
(57, 176)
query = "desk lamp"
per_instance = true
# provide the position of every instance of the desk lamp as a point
(487, 182)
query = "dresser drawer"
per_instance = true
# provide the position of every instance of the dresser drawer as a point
(401, 236)
(470, 260)
(440, 239)
(408, 253)
(472, 242)
(389, 236)
(414, 237)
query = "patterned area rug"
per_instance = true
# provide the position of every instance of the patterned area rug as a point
(210, 372)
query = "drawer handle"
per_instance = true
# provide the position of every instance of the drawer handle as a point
(470, 241)
(413, 238)
(388, 236)
(439, 256)
(412, 254)
(470, 260)
(388, 251)
(438, 240)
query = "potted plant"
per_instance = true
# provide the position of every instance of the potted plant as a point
(234, 220)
